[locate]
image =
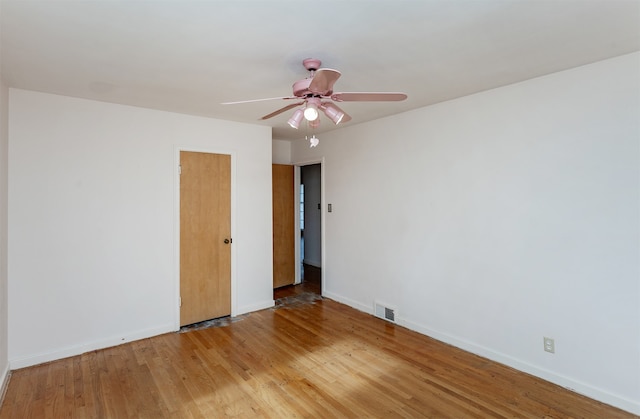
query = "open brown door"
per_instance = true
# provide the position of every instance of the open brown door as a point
(205, 236)
(284, 268)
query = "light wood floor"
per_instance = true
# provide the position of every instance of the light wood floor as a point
(311, 358)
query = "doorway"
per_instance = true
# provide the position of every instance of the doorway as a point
(205, 236)
(311, 225)
(308, 219)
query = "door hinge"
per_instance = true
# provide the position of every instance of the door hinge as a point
(180, 301)
(179, 169)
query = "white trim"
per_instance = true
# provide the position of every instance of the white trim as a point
(176, 241)
(351, 303)
(74, 350)
(296, 227)
(5, 377)
(255, 307)
(323, 226)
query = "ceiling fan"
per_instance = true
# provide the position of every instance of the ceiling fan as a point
(315, 93)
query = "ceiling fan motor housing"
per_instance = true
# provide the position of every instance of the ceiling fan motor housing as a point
(301, 87)
(311, 64)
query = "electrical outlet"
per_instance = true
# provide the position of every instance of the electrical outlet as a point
(549, 345)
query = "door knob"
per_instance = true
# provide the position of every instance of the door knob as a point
(227, 241)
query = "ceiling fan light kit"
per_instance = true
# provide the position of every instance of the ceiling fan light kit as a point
(311, 110)
(314, 124)
(332, 113)
(296, 118)
(311, 91)
(311, 113)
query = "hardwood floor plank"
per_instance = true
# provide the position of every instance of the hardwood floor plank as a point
(310, 358)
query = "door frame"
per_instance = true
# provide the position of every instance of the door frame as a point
(323, 215)
(176, 226)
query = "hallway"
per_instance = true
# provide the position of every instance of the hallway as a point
(311, 284)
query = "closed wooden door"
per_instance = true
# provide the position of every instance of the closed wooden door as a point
(284, 268)
(205, 236)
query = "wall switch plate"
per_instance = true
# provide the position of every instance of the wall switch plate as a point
(549, 345)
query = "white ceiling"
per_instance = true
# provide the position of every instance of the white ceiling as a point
(189, 56)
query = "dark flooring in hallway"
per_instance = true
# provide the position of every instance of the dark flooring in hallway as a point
(311, 284)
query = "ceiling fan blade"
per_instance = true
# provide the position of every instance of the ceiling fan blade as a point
(279, 111)
(323, 80)
(368, 96)
(345, 118)
(259, 100)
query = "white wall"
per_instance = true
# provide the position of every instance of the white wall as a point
(93, 221)
(495, 219)
(281, 152)
(4, 143)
